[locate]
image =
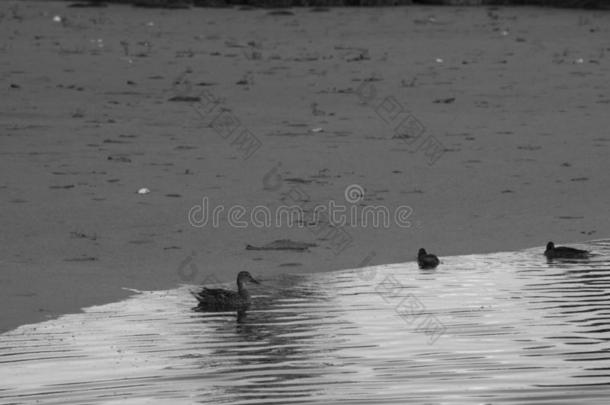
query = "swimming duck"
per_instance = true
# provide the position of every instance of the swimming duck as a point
(218, 299)
(426, 260)
(563, 252)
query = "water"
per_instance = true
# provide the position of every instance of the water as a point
(500, 328)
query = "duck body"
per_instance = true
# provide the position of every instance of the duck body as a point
(426, 260)
(218, 299)
(564, 252)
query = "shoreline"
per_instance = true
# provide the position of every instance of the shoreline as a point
(133, 292)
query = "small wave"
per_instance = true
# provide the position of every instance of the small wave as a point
(504, 328)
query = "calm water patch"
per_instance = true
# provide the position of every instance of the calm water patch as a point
(499, 328)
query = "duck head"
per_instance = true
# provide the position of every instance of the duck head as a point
(422, 252)
(245, 277)
(550, 246)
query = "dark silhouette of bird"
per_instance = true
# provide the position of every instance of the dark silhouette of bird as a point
(564, 252)
(426, 260)
(218, 299)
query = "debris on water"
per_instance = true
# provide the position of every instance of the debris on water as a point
(505, 33)
(82, 235)
(280, 12)
(444, 100)
(187, 99)
(57, 19)
(317, 130)
(67, 186)
(82, 258)
(283, 244)
(118, 158)
(439, 60)
(579, 61)
(143, 191)
(99, 42)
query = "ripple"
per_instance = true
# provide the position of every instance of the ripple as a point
(503, 328)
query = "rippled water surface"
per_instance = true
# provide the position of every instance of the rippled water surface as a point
(498, 328)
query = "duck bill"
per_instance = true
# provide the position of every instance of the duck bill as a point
(255, 281)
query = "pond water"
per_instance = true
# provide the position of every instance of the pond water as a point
(499, 328)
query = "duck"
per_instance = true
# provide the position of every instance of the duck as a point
(564, 252)
(218, 299)
(426, 260)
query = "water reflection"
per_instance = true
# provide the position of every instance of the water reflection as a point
(574, 294)
(275, 333)
(517, 329)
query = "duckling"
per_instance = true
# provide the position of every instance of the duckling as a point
(217, 299)
(426, 260)
(563, 252)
